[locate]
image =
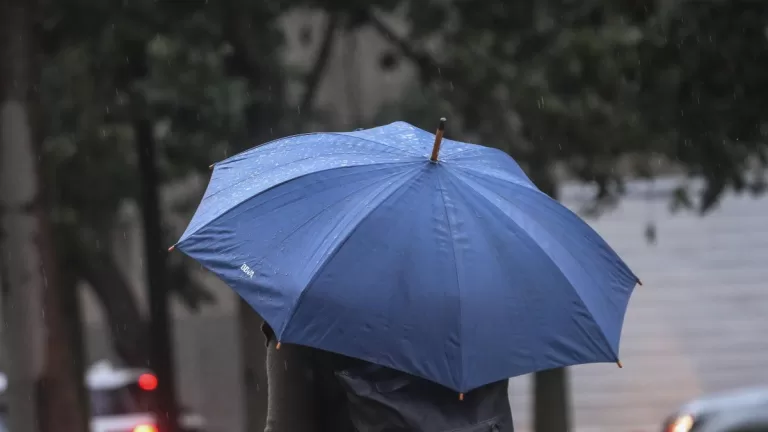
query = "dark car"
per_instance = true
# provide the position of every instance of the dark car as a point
(744, 410)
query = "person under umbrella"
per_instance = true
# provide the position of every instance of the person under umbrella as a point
(317, 391)
(431, 257)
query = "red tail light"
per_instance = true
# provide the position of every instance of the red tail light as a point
(147, 382)
(145, 428)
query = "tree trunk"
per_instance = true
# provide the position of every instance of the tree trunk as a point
(126, 323)
(73, 312)
(167, 413)
(42, 380)
(253, 353)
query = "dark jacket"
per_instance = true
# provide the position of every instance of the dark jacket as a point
(385, 400)
(342, 394)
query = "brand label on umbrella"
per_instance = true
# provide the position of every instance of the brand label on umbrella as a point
(247, 270)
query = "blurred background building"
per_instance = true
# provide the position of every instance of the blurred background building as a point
(697, 325)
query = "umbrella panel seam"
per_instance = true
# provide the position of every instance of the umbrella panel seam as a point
(335, 251)
(600, 332)
(458, 284)
(187, 235)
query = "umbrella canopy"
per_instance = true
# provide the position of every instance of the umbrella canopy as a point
(459, 271)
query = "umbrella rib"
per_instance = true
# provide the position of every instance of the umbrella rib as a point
(458, 284)
(282, 167)
(457, 155)
(285, 239)
(338, 247)
(475, 173)
(601, 332)
(349, 135)
(259, 146)
(189, 234)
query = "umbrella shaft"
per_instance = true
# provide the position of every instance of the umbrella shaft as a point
(438, 140)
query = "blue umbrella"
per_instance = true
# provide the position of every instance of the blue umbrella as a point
(451, 266)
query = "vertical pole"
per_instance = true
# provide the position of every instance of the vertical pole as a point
(161, 342)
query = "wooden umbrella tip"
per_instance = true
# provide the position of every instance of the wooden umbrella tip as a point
(170, 249)
(618, 363)
(461, 396)
(211, 166)
(277, 347)
(438, 140)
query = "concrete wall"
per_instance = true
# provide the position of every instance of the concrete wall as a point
(698, 324)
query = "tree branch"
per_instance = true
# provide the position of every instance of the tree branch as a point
(323, 55)
(128, 328)
(259, 68)
(237, 31)
(249, 61)
(428, 67)
(432, 70)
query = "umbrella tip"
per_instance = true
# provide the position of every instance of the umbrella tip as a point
(211, 166)
(170, 249)
(618, 363)
(461, 396)
(277, 347)
(438, 140)
(639, 282)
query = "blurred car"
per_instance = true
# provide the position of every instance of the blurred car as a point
(744, 410)
(3, 419)
(120, 401)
